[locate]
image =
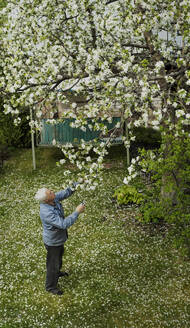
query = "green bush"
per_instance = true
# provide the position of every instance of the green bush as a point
(151, 211)
(12, 135)
(147, 136)
(127, 195)
(167, 197)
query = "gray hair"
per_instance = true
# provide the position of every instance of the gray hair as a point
(41, 195)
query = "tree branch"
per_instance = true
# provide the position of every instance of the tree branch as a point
(111, 1)
(133, 45)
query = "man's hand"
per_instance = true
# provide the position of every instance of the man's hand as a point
(80, 208)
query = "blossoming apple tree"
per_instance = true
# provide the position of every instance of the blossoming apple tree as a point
(132, 55)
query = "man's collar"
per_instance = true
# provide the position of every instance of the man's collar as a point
(52, 203)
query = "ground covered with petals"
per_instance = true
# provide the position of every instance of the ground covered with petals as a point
(120, 274)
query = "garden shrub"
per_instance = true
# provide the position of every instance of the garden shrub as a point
(164, 176)
(14, 135)
(127, 195)
(171, 179)
(147, 136)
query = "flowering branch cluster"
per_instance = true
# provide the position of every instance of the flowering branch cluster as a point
(89, 167)
(129, 55)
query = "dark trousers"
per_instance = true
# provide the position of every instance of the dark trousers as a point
(53, 265)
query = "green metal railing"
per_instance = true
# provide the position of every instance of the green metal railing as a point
(64, 133)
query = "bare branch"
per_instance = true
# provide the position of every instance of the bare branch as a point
(56, 85)
(111, 1)
(133, 45)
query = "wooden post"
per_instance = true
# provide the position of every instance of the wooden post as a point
(124, 123)
(127, 136)
(32, 140)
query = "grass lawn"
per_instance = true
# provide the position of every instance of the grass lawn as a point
(121, 276)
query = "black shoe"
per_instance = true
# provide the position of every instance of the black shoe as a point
(55, 291)
(63, 274)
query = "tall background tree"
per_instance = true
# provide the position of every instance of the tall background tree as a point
(14, 130)
(130, 55)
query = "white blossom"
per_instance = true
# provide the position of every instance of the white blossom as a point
(179, 113)
(182, 93)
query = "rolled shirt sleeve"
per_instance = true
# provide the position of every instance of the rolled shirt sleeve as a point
(63, 194)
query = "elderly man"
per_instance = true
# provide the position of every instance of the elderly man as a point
(55, 226)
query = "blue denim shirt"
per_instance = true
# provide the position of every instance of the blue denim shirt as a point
(54, 222)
